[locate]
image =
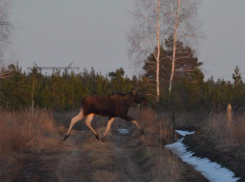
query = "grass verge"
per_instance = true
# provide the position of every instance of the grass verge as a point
(21, 131)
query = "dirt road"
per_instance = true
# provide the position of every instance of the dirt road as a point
(83, 158)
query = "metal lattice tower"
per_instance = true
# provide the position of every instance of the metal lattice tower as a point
(53, 68)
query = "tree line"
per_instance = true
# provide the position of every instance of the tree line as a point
(64, 91)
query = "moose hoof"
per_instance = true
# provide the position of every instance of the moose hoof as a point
(66, 136)
(97, 137)
(103, 139)
(142, 131)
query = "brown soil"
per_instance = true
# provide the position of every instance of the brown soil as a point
(82, 158)
(205, 146)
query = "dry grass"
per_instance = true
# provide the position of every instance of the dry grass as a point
(19, 131)
(157, 126)
(159, 132)
(229, 136)
(167, 166)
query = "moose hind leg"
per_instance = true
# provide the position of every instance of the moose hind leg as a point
(88, 123)
(108, 127)
(74, 120)
(127, 118)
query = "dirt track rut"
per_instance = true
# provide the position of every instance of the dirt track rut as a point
(83, 158)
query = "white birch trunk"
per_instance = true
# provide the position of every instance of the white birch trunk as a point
(174, 44)
(158, 49)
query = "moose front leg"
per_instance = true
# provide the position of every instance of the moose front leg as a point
(74, 120)
(110, 121)
(127, 118)
(88, 123)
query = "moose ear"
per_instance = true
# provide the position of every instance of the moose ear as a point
(134, 91)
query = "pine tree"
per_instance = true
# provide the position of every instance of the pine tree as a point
(237, 76)
(186, 65)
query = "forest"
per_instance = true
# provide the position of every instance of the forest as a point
(63, 91)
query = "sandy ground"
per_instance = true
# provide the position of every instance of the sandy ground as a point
(83, 158)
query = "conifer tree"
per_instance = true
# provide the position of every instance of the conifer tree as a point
(236, 76)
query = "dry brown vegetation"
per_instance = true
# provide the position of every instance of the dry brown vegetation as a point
(228, 136)
(159, 131)
(221, 140)
(154, 158)
(21, 131)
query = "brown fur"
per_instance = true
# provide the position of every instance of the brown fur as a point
(113, 105)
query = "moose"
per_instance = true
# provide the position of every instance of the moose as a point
(113, 105)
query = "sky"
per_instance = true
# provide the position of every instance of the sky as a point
(92, 33)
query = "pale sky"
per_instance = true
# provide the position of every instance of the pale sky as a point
(92, 33)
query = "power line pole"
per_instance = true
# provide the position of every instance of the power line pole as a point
(53, 68)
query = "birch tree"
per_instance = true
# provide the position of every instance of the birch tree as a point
(183, 26)
(147, 36)
(6, 28)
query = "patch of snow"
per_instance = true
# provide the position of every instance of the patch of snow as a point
(183, 133)
(211, 170)
(123, 131)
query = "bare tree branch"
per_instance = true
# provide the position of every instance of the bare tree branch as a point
(6, 27)
(148, 35)
(184, 26)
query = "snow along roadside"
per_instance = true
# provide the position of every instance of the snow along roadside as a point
(210, 170)
(123, 131)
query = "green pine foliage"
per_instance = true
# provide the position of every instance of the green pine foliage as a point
(59, 91)
(64, 91)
